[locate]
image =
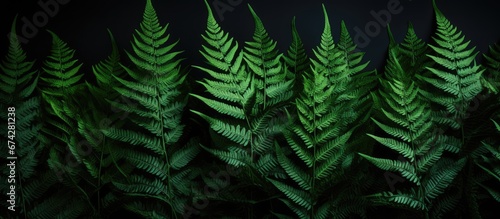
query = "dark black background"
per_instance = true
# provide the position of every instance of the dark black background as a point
(82, 24)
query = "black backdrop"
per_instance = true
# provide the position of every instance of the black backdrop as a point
(83, 23)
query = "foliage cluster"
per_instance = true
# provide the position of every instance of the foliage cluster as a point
(306, 135)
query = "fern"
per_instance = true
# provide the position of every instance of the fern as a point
(287, 127)
(489, 163)
(354, 66)
(409, 123)
(296, 59)
(320, 136)
(457, 76)
(272, 90)
(17, 90)
(102, 165)
(16, 85)
(458, 81)
(414, 50)
(232, 86)
(493, 68)
(59, 84)
(249, 97)
(106, 71)
(153, 137)
(363, 82)
(249, 92)
(262, 58)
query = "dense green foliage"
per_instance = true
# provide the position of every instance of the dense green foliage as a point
(299, 134)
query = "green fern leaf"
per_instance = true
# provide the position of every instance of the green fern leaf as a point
(264, 61)
(437, 183)
(60, 84)
(107, 72)
(407, 200)
(154, 118)
(18, 77)
(296, 58)
(320, 135)
(328, 58)
(457, 75)
(408, 119)
(492, 74)
(61, 68)
(183, 156)
(297, 196)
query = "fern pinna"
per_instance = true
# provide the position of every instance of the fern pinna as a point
(157, 185)
(320, 136)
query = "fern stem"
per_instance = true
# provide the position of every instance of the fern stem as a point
(265, 81)
(99, 181)
(421, 189)
(313, 183)
(162, 127)
(160, 115)
(82, 191)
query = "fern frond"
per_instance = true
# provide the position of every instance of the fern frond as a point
(365, 81)
(327, 57)
(154, 120)
(296, 58)
(408, 120)
(183, 156)
(62, 71)
(320, 135)
(441, 179)
(59, 86)
(414, 49)
(492, 74)
(18, 79)
(299, 197)
(232, 84)
(107, 71)
(264, 61)
(456, 75)
(249, 92)
(60, 83)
